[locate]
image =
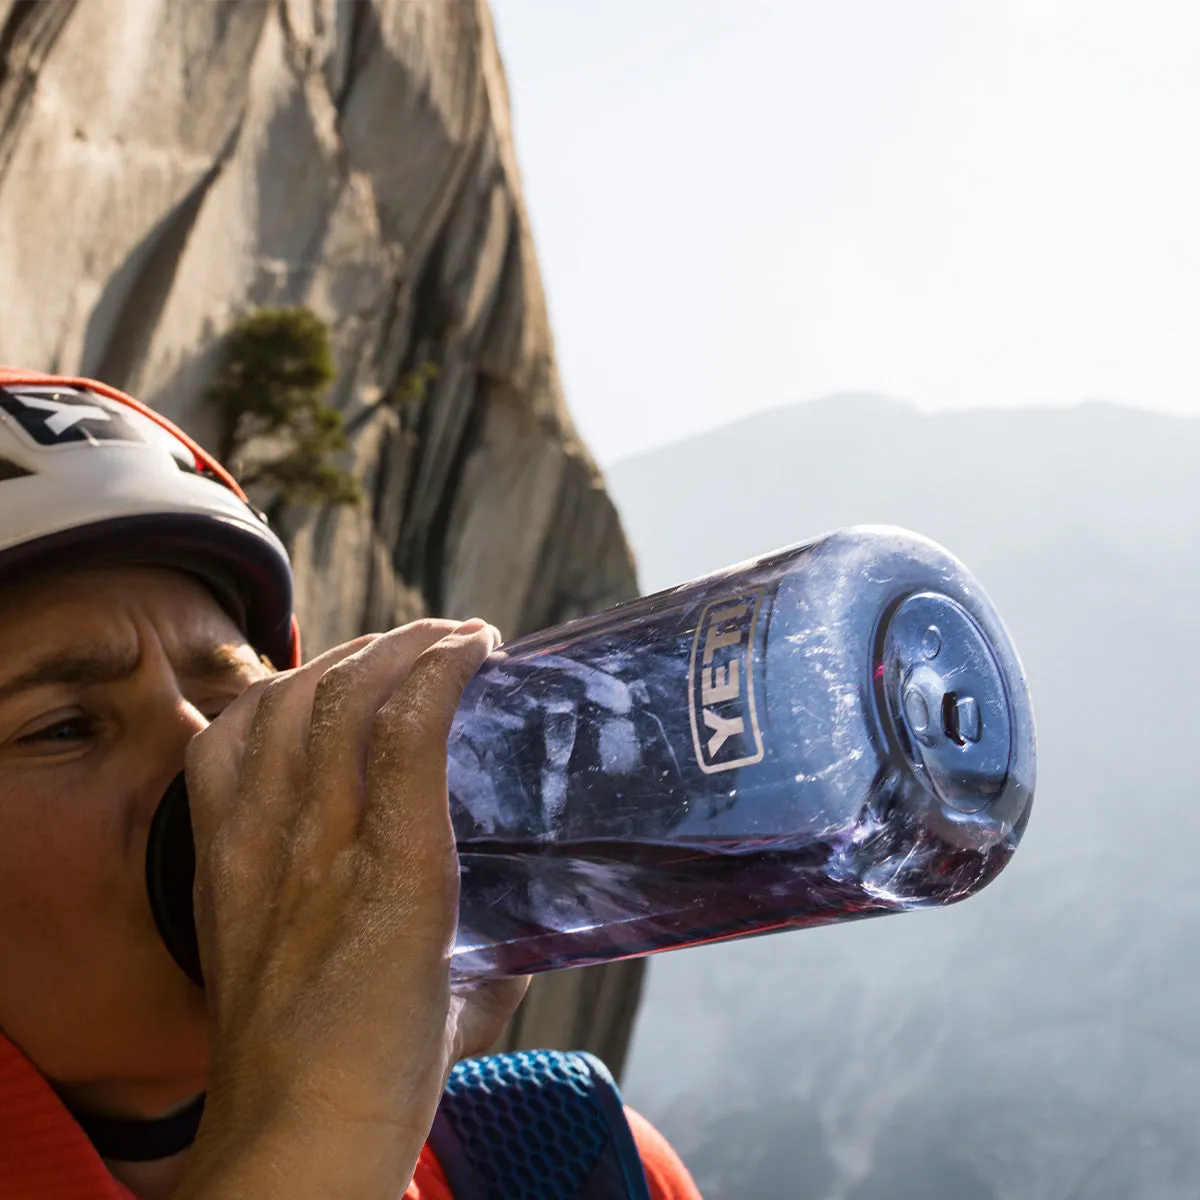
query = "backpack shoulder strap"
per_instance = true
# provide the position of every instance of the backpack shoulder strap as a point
(542, 1125)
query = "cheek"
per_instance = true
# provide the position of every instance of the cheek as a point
(67, 884)
(86, 986)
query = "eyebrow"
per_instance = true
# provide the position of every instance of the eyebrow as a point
(93, 667)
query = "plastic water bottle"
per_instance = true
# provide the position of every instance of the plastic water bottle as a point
(837, 730)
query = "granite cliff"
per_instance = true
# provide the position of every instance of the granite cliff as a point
(166, 168)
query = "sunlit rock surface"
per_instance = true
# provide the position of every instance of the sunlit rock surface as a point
(165, 167)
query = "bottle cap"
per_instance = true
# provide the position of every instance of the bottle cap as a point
(946, 695)
(170, 873)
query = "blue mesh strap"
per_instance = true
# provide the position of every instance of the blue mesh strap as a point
(538, 1125)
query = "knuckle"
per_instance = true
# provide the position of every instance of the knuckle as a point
(430, 694)
(401, 722)
(267, 703)
(440, 658)
(262, 692)
(432, 675)
(454, 661)
(270, 695)
(253, 708)
(241, 711)
(337, 683)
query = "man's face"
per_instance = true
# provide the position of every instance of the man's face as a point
(105, 675)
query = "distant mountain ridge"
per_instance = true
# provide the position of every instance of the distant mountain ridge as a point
(1039, 1041)
(847, 447)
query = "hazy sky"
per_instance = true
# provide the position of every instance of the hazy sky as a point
(742, 203)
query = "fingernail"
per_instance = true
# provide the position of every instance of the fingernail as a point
(472, 626)
(497, 637)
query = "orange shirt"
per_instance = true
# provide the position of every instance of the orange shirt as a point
(44, 1155)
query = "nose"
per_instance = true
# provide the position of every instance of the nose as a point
(180, 722)
(165, 738)
(163, 722)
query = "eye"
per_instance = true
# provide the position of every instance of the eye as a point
(66, 732)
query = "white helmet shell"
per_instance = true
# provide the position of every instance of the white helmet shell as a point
(89, 476)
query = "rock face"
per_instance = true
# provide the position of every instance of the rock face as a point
(167, 167)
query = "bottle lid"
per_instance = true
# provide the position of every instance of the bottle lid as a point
(946, 695)
(170, 874)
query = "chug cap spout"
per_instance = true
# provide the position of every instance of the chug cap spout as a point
(947, 700)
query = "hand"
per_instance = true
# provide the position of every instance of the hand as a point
(326, 905)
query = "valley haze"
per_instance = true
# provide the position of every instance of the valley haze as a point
(1038, 1041)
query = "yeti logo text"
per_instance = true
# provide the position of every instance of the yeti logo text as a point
(725, 730)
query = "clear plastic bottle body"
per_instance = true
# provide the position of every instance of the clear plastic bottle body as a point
(834, 731)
